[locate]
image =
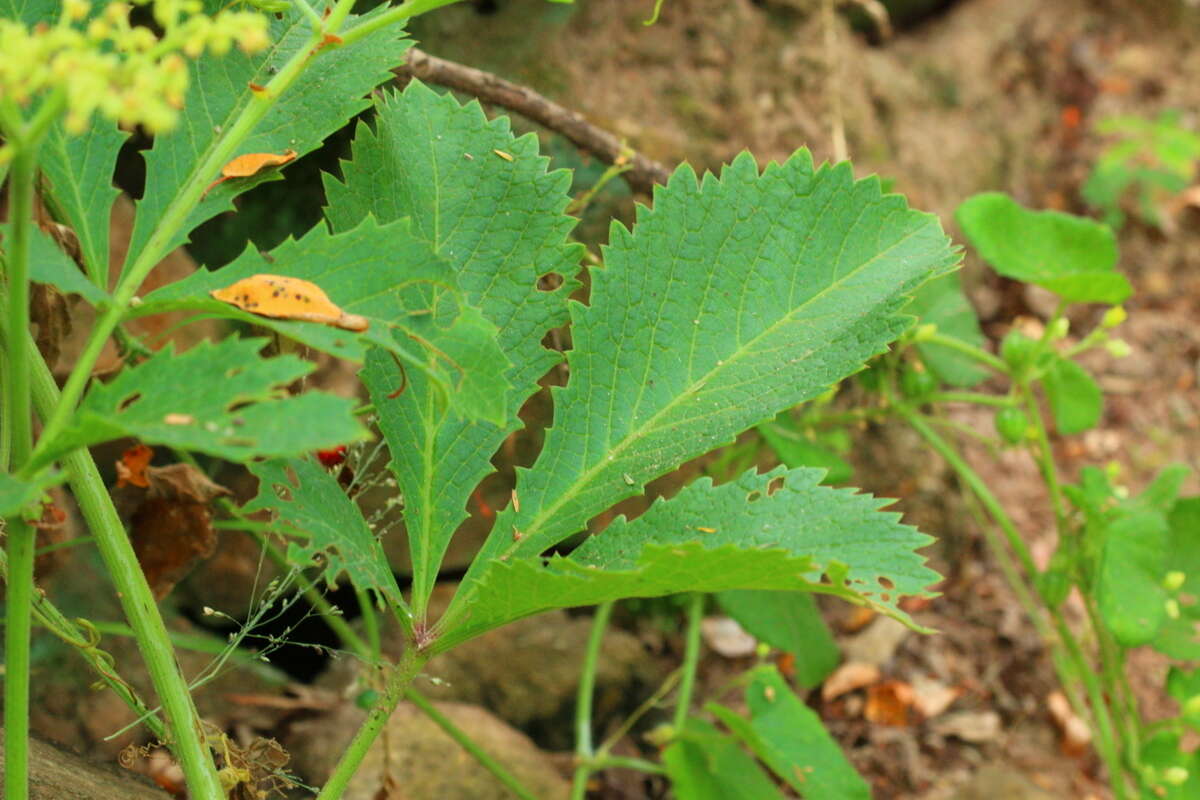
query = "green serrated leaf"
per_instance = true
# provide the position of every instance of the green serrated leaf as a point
(221, 399)
(1179, 637)
(942, 302)
(49, 264)
(332, 89)
(789, 621)
(311, 505)
(499, 224)
(384, 273)
(790, 738)
(705, 539)
(1074, 257)
(731, 300)
(1074, 396)
(705, 764)
(79, 175)
(1129, 590)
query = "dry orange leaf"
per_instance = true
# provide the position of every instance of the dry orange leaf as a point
(251, 164)
(888, 703)
(280, 297)
(131, 469)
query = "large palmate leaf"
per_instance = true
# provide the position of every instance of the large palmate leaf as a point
(386, 274)
(499, 223)
(79, 174)
(312, 506)
(803, 536)
(732, 299)
(1074, 257)
(331, 90)
(790, 739)
(221, 399)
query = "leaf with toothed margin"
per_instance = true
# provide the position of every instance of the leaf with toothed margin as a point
(222, 399)
(333, 87)
(732, 299)
(781, 530)
(384, 273)
(325, 525)
(499, 223)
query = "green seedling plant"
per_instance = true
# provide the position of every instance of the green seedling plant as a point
(1154, 160)
(1131, 559)
(732, 298)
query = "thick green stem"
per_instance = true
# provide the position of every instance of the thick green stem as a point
(21, 537)
(691, 661)
(583, 700)
(19, 598)
(137, 601)
(19, 424)
(402, 675)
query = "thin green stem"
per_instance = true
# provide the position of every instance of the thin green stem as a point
(1027, 595)
(1044, 456)
(691, 661)
(976, 484)
(411, 8)
(580, 204)
(370, 619)
(627, 724)
(313, 17)
(19, 598)
(402, 675)
(627, 762)
(970, 350)
(470, 745)
(583, 700)
(976, 398)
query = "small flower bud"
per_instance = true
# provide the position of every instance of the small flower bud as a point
(1059, 328)
(1176, 776)
(1173, 580)
(1114, 317)
(1117, 348)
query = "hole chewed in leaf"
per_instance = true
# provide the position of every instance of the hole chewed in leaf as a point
(549, 282)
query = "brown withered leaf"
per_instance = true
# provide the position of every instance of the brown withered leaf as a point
(848, 677)
(170, 522)
(50, 311)
(184, 482)
(169, 537)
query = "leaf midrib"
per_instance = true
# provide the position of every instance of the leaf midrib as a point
(612, 455)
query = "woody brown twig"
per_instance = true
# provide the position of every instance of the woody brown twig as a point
(641, 177)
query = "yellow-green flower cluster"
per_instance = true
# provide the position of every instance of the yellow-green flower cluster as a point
(104, 63)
